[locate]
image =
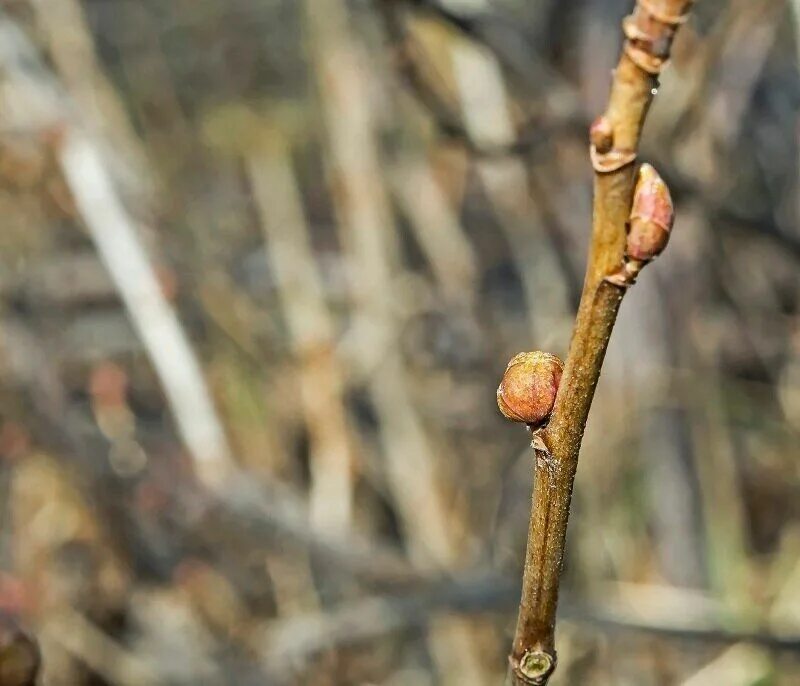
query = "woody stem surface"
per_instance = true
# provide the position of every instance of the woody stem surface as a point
(649, 32)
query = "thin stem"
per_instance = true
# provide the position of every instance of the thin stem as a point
(554, 473)
(649, 32)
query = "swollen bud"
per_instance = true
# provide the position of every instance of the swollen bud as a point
(651, 217)
(528, 390)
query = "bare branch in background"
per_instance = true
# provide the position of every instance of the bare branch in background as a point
(370, 240)
(312, 331)
(116, 236)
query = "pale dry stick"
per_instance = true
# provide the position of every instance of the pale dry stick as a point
(279, 207)
(438, 230)
(615, 137)
(488, 120)
(362, 204)
(116, 237)
(311, 327)
(79, 637)
(743, 51)
(723, 512)
(369, 235)
(64, 26)
(740, 665)
(32, 100)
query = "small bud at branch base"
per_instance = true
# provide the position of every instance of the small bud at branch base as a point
(601, 134)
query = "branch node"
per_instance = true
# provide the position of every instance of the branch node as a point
(626, 275)
(610, 161)
(642, 58)
(663, 15)
(649, 32)
(537, 442)
(534, 667)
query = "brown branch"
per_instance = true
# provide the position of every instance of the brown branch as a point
(615, 137)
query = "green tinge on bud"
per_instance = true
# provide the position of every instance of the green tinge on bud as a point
(651, 216)
(528, 390)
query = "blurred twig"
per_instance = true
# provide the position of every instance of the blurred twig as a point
(312, 331)
(97, 650)
(368, 231)
(409, 57)
(438, 229)
(116, 237)
(498, 34)
(291, 641)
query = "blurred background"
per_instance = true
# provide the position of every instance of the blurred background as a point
(262, 263)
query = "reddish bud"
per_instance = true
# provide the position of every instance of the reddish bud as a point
(528, 390)
(651, 217)
(601, 134)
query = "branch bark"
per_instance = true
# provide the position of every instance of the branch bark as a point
(649, 31)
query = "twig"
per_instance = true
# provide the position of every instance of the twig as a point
(369, 234)
(615, 136)
(116, 237)
(69, 41)
(85, 641)
(287, 642)
(500, 35)
(437, 228)
(531, 134)
(487, 111)
(311, 327)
